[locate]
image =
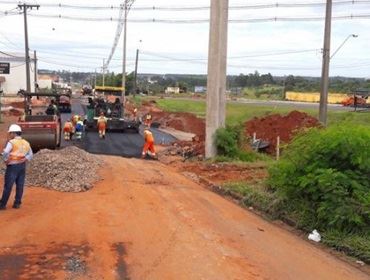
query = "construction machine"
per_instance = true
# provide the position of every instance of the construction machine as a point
(107, 100)
(41, 130)
(359, 99)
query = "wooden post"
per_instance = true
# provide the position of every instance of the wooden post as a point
(278, 148)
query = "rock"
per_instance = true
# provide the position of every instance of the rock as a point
(67, 170)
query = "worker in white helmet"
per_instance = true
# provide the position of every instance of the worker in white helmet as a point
(15, 155)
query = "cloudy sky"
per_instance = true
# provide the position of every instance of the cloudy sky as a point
(279, 47)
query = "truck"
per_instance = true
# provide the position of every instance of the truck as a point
(108, 101)
(358, 99)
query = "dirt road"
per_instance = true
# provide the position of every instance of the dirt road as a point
(146, 221)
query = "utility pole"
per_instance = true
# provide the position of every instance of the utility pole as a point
(95, 79)
(25, 7)
(127, 6)
(323, 113)
(35, 71)
(103, 72)
(135, 77)
(124, 56)
(216, 81)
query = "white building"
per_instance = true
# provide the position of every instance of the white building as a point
(172, 90)
(16, 79)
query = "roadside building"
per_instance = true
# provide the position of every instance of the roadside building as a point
(46, 81)
(172, 90)
(200, 89)
(13, 72)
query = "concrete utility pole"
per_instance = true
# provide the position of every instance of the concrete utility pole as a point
(127, 6)
(323, 113)
(35, 70)
(124, 55)
(95, 79)
(25, 7)
(135, 76)
(216, 81)
(103, 72)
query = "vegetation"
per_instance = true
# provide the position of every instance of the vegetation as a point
(238, 112)
(156, 84)
(331, 171)
(232, 145)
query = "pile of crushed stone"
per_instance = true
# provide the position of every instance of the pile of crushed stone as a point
(67, 170)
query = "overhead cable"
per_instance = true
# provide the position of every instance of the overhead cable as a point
(195, 21)
(198, 8)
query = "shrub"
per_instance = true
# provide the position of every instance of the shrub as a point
(227, 141)
(230, 142)
(325, 177)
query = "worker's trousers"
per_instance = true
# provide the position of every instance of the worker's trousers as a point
(149, 146)
(15, 173)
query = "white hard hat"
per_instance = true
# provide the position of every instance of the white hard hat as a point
(15, 128)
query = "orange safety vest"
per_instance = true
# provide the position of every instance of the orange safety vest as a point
(148, 136)
(20, 148)
(68, 127)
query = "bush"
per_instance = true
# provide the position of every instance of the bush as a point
(230, 142)
(325, 177)
(227, 141)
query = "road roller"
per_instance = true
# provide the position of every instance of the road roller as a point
(42, 131)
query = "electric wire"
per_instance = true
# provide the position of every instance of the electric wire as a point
(198, 21)
(198, 8)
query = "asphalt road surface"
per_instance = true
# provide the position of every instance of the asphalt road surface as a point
(128, 144)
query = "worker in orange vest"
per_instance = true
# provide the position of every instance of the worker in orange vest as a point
(68, 130)
(149, 144)
(148, 120)
(17, 151)
(102, 125)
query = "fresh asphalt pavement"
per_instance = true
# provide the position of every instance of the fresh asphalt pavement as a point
(127, 144)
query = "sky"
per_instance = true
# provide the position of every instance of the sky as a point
(276, 47)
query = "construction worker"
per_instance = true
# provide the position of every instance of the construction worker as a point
(52, 109)
(17, 151)
(79, 128)
(68, 130)
(102, 125)
(148, 120)
(149, 144)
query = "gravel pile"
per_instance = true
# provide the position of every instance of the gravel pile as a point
(67, 170)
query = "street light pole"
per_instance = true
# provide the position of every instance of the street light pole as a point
(341, 45)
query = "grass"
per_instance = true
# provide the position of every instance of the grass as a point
(239, 112)
(261, 198)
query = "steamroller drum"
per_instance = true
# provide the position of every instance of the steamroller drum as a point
(41, 139)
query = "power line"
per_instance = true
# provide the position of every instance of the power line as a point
(195, 21)
(198, 8)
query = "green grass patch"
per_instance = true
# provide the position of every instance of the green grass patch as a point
(257, 196)
(356, 245)
(238, 112)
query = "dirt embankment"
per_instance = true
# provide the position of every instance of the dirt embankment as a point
(270, 127)
(186, 122)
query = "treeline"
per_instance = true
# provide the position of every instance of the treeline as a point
(158, 83)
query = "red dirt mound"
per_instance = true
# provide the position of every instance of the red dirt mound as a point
(270, 127)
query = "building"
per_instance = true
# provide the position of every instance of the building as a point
(172, 90)
(200, 89)
(46, 81)
(13, 72)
